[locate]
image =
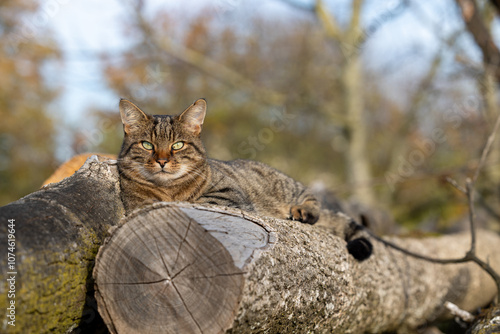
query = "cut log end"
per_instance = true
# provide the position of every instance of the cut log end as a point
(161, 272)
(183, 268)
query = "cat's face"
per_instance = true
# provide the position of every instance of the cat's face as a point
(162, 149)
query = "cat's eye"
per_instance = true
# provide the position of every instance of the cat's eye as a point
(147, 145)
(178, 145)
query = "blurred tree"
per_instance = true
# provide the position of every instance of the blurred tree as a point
(26, 130)
(478, 20)
(267, 107)
(296, 95)
(355, 129)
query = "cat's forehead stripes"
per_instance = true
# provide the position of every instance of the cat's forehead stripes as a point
(163, 127)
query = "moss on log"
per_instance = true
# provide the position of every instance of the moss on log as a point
(58, 231)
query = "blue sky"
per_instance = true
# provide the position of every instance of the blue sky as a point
(84, 29)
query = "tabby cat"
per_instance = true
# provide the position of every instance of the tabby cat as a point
(163, 159)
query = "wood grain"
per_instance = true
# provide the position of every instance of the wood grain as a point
(162, 272)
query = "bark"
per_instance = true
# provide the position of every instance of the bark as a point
(489, 324)
(58, 231)
(275, 276)
(248, 273)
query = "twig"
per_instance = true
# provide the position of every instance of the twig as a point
(486, 149)
(469, 186)
(415, 255)
(458, 312)
(470, 256)
(456, 185)
(206, 64)
(491, 211)
(481, 34)
(328, 21)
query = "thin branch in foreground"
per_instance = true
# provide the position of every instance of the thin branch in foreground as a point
(455, 185)
(470, 256)
(486, 149)
(412, 254)
(469, 186)
(456, 311)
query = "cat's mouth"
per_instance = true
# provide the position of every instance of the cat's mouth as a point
(171, 174)
(163, 171)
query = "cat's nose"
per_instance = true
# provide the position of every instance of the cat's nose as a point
(162, 162)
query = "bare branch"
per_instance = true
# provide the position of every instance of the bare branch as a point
(208, 65)
(385, 17)
(469, 191)
(456, 185)
(481, 35)
(328, 21)
(412, 254)
(469, 186)
(221, 72)
(486, 149)
(354, 24)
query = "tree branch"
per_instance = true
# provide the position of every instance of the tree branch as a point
(481, 35)
(496, 4)
(354, 25)
(469, 191)
(486, 149)
(328, 21)
(208, 65)
(469, 187)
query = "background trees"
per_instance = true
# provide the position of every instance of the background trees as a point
(26, 128)
(327, 92)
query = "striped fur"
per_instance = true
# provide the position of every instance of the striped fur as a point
(188, 175)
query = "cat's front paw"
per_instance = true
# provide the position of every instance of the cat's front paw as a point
(304, 213)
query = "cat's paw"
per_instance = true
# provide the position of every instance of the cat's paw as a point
(304, 213)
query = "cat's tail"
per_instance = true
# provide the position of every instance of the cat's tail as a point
(360, 248)
(356, 236)
(358, 244)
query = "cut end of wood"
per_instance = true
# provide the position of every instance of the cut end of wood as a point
(162, 272)
(74, 164)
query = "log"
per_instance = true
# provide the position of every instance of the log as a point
(489, 323)
(186, 268)
(281, 276)
(172, 276)
(57, 233)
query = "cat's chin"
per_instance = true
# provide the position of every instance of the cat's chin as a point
(166, 176)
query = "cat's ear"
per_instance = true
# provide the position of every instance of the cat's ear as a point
(132, 116)
(192, 118)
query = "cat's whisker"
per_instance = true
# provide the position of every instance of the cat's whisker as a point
(199, 181)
